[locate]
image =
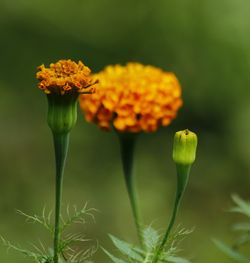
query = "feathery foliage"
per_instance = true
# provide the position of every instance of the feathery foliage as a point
(130, 253)
(69, 244)
(242, 207)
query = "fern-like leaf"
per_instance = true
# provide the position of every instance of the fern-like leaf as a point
(242, 207)
(126, 249)
(113, 258)
(231, 252)
(134, 254)
(151, 238)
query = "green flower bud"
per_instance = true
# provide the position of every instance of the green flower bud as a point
(62, 112)
(184, 150)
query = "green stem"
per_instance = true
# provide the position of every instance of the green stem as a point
(61, 142)
(182, 179)
(127, 145)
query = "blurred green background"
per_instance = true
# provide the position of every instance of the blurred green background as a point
(205, 42)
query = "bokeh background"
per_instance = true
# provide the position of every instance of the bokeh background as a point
(205, 42)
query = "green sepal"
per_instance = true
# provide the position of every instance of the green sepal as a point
(62, 112)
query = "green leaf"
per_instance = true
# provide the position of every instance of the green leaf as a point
(242, 240)
(230, 252)
(113, 258)
(51, 251)
(126, 249)
(241, 227)
(242, 207)
(151, 238)
(177, 259)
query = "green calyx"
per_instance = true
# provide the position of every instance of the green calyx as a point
(184, 149)
(62, 112)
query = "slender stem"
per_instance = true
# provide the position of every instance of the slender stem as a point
(170, 226)
(182, 179)
(127, 145)
(61, 142)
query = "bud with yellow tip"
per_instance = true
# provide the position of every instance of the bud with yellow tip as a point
(184, 150)
(184, 153)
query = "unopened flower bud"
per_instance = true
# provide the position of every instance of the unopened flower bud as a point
(184, 150)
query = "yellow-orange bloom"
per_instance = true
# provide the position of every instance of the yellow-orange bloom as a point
(65, 76)
(133, 98)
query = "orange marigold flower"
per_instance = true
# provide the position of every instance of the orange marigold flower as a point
(133, 98)
(65, 76)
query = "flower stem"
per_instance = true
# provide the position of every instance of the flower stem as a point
(182, 179)
(61, 142)
(127, 145)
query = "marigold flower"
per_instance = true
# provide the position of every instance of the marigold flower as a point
(133, 98)
(65, 76)
(62, 83)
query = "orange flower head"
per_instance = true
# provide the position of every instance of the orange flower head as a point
(133, 98)
(65, 76)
